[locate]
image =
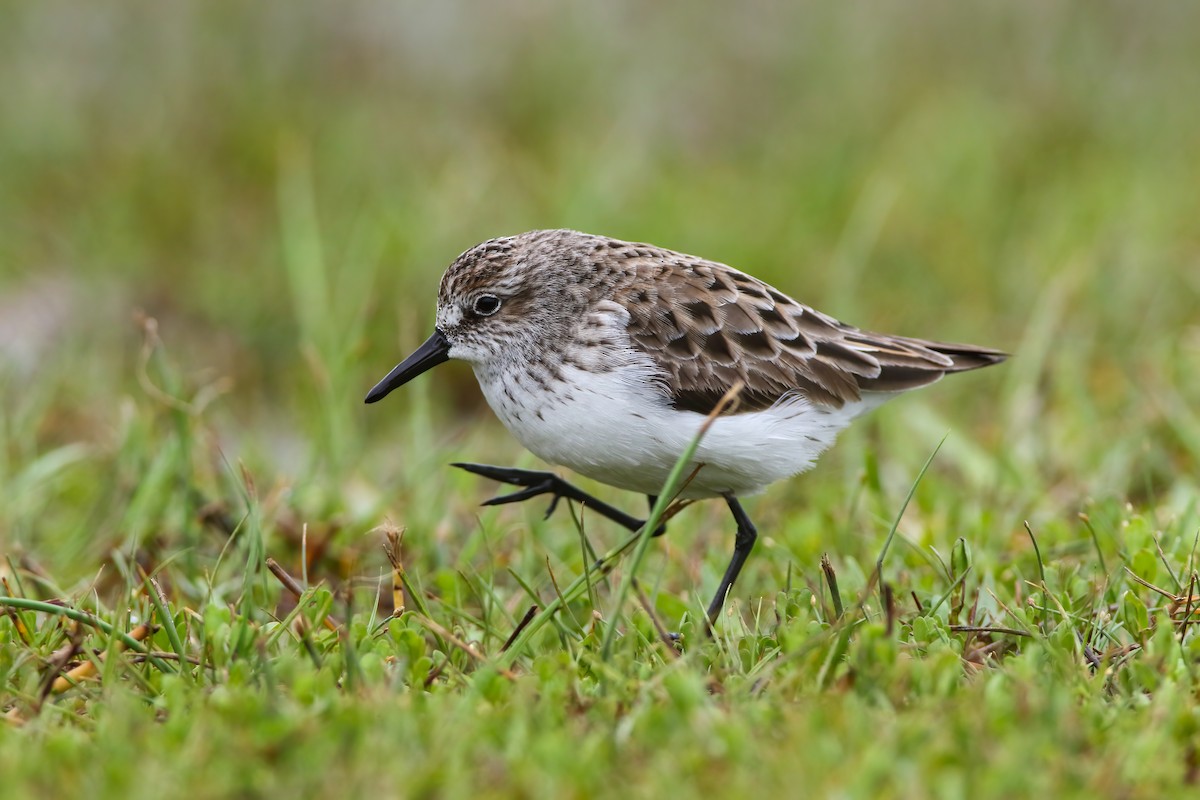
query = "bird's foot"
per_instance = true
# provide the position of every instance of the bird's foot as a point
(538, 483)
(535, 483)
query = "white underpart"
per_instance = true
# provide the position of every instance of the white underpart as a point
(618, 427)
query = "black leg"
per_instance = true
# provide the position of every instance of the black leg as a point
(538, 483)
(653, 498)
(742, 545)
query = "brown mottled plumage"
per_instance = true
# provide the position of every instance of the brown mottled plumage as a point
(605, 356)
(709, 325)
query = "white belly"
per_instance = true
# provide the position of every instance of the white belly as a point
(615, 427)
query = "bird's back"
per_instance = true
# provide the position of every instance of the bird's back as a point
(708, 326)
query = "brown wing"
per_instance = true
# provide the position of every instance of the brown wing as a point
(709, 325)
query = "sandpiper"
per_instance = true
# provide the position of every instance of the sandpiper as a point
(606, 356)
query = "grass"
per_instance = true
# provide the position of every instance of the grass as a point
(220, 224)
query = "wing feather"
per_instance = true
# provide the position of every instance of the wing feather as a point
(708, 325)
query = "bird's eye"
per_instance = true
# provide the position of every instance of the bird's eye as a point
(486, 305)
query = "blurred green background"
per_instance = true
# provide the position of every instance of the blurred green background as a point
(222, 222)
(281, 184)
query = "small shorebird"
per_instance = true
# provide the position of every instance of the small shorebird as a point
(606, 356)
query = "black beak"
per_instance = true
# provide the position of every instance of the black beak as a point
(435, 350)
